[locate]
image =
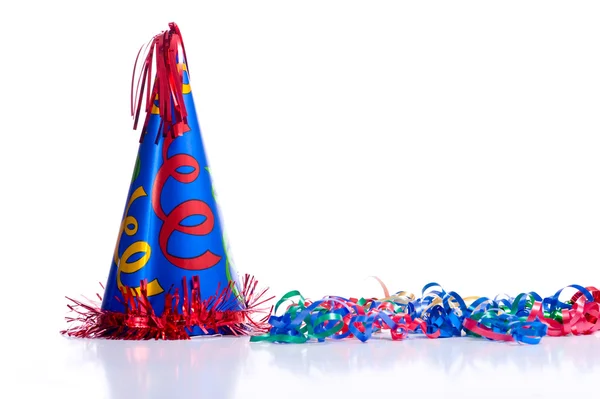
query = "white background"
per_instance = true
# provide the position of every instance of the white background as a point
(448, 141)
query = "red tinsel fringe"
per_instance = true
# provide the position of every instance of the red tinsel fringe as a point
(139, 321)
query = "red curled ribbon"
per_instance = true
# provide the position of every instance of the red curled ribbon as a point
(584, 317)
(168, 83)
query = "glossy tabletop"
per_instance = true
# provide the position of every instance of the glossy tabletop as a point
(228, 367)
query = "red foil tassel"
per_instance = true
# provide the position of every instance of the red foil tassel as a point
(168, 83)
(139, 321)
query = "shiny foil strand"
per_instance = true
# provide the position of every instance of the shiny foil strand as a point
(525, 319)
(167, 87)
(138, 321)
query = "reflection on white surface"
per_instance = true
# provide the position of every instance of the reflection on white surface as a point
(154, 369)
(450, 356)
(228, 367)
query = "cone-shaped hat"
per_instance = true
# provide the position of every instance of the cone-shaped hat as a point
(171, 275)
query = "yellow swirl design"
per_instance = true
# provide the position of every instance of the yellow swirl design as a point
(186, 86)
(154, 109)
(129, 226)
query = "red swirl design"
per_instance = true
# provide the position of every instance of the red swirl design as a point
(172, 220)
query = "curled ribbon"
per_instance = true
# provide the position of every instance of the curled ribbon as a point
(526, 318)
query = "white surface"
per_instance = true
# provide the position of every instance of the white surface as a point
(234, 368)
(416, 141)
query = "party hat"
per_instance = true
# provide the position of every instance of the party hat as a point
(171, 276)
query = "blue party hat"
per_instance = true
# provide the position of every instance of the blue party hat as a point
(171, 275)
